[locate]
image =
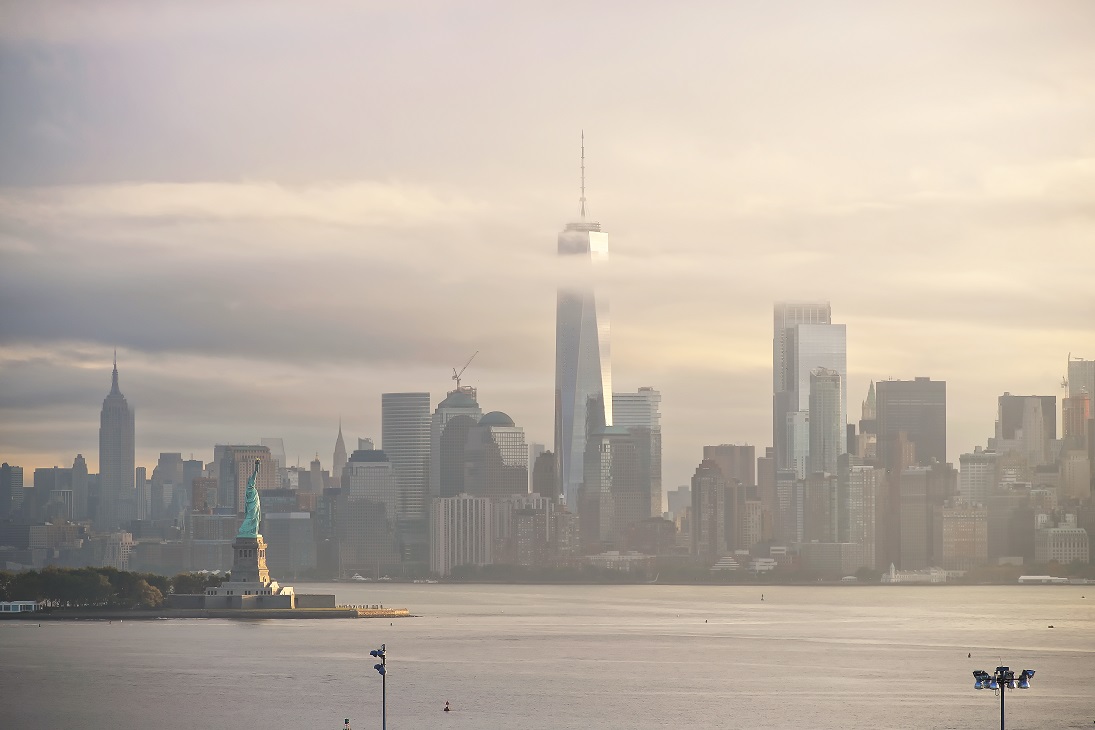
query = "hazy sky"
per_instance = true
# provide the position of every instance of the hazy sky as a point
(278, 211)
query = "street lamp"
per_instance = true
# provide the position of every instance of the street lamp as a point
(382, 669)
(1001, 681)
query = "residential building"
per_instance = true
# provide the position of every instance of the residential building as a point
(460, 532)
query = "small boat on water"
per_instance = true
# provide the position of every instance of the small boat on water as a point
(358, 576)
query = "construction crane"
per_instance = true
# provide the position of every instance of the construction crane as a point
(457, 375)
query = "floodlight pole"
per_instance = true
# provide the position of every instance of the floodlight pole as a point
(1003, 690)
(382, 670)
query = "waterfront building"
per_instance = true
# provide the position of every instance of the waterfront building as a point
(461, 533)
(452, 419)
(495, 458)
(961, 536)
(1064, 544)
(921, 490)
(583, 363)
(708, 518)
(831, 560)
(117, 453)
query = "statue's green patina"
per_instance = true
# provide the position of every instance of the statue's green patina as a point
(253, 515)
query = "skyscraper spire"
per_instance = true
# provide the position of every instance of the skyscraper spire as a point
(114, 377)
(582, 200)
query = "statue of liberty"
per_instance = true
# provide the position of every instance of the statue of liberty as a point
(253, 513)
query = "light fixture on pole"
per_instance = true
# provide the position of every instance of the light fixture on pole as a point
(381, 668)
(1001, 681)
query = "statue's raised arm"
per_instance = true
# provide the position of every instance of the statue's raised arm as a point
(253, 507)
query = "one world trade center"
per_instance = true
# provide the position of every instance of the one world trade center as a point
(583, 365)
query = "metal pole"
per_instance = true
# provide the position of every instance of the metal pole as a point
(1003, 688)
(384, 691)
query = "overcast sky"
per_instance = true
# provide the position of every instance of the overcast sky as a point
(277, 211)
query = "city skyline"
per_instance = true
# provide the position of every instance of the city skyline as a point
(288, 277)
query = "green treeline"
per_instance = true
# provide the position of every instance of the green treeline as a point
(99, 587)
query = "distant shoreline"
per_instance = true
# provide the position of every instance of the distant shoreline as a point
(62, 614)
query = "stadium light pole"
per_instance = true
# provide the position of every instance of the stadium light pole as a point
(1001, 681)
(381, 668)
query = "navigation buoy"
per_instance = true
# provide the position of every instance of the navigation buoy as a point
(970, 655)
(447, 708)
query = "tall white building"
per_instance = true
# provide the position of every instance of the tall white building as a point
(405, 438)
(583, 363)
(461, 533)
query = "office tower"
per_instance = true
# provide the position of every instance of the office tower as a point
(860, 487)
(640, 414)
(235, 464)
(522, 529)
(316, 475)
(143, 489)
(11, 488)
(978, 474)
(534, 451)
(277, 453)
(738, 465)
(460, 533)
(917, 408)
(766, 491)
(545, 475)
(496, 458)
(826, 425)
(583, 367)
(166, 478)
(785, 369)
(867, 446)
(679, 499)
(405, 438)
(1075, 475)
(708, 520)
(338, 461)
(616, 486)
(367, 444)
(195, 469)
(819, 508)
(1026, 425)
(1076, 415)
(292, 542)
(370, 475)
(79, 489)
(116, 456)
(961, 536)
(449, 427)
(920, 490)
(1081, 377)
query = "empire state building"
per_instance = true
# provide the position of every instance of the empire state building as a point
(583, 364)
(116, 458)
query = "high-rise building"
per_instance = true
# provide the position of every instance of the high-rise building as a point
(460, 533)
(640, 414)
(978, 473)
(1026, 426)
(277, 453)
(616, 483)
(405, 439)
(737, 464)
(785, 369)
(11, 488)
(545, 479)
(452, 419)
(167, 477)
(1081, 377)
(961, 536)
(117, 454)
(338, 461)
(708, 520)
(583, 365)
(496, 458)
(860, 488)
(1076, 415)
(920, 490)
(235, 463)
(826, 425)
(917, 408)
(370, 475)
(79, 489)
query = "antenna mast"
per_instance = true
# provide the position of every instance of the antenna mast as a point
(582, 200)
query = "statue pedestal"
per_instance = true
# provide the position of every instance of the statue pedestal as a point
(250, 585)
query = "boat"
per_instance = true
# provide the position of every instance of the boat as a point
(358, 576)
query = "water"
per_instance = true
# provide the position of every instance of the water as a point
(529, 657)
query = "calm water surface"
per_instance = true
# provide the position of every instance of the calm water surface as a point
(533, 657)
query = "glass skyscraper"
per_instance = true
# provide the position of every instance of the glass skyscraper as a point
(583, 367)
(787, 394)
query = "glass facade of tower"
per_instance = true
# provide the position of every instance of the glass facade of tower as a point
(826, 424)
(583, 369)
(405, 439)
(787, 317)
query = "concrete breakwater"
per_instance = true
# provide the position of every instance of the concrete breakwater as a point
(229, 613)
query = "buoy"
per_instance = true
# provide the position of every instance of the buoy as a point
(970, 655)
(1051, 626)
(446, 706)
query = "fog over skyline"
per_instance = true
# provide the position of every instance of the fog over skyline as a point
(278, 212)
